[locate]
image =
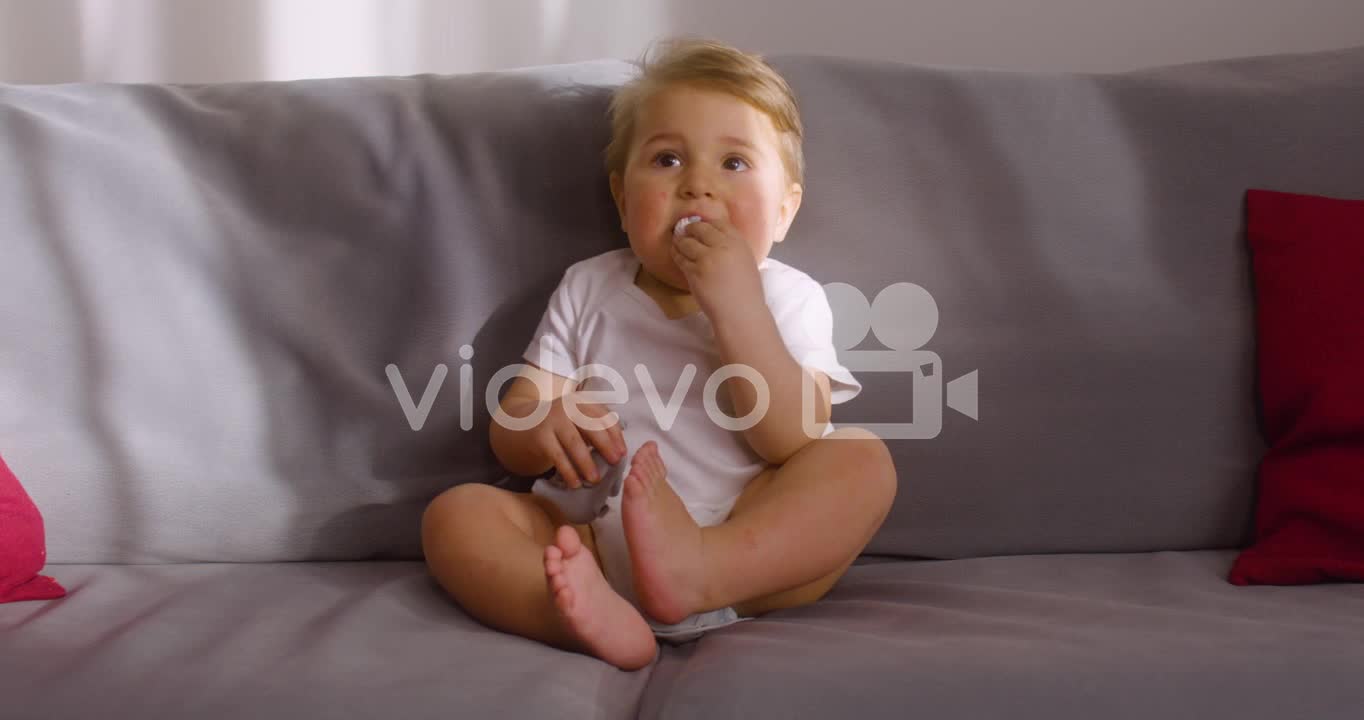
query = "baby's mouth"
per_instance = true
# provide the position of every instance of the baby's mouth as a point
(683, 222)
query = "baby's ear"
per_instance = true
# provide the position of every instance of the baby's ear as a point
(618, 194)
(790, 205)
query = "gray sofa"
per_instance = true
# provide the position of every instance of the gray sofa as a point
(202, 288)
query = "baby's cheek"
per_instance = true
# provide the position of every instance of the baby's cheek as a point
(647, 204)
(640, 205)
(747, 217)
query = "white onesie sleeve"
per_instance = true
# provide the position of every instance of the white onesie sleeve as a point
(806, 323)
(554, 345)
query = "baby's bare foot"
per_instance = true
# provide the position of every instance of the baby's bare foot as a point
(606, 624)
(665, 542)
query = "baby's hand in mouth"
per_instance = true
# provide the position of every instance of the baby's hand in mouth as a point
(684, 222)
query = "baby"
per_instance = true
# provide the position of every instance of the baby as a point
(739, 499)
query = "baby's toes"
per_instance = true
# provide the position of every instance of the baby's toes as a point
(651, 474)
(653, 462)
(557, 582)
(568, 541)
(563, 599)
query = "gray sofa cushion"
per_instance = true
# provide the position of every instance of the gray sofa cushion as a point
(203, 286)
(1081, 235)
(1151, 635)
(283, 640)
(1157, 635)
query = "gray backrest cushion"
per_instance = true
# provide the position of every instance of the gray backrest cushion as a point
(1082, 238)
(202, 287)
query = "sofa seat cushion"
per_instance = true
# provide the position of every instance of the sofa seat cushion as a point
(1113, 636)
(1044, 636)
(282, 640)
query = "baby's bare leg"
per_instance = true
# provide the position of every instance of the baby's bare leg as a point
(485, 546)
(792, 535)
(509, 562)
(789, 537)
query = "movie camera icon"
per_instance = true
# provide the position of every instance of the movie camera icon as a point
(904, 317)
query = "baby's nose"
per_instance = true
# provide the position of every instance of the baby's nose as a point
(696, 183)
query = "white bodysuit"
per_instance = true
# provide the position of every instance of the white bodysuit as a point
(598, 316)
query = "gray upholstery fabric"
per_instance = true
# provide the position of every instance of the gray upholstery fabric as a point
(1117, 636)
(203, 286)
(282, 640)
(1082, 237)
(1155, 635)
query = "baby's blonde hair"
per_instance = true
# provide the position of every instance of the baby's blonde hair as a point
(709, 65)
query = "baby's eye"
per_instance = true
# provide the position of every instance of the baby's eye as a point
(663, 158)
(735, 163)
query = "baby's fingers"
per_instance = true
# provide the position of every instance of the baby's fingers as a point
(688, 246)
(563, 465)
(581, 456)
(683, 262)
(602, 427)
(608, 443)
(618, 437)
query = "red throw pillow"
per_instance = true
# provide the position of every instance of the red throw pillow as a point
(23, 550)
(1308, 258)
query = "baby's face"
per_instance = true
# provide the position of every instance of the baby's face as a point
(700, 152)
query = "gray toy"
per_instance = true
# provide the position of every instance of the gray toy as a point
(587, 502)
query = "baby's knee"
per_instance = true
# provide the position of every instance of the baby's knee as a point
(443, 512)
(866, 451)
(456, 501)
(460, 509)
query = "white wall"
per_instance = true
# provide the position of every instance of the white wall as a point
(227, 40)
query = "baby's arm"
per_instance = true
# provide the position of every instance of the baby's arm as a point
(518, 450)
(730, 290)
(749, 337)
(535, 450)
